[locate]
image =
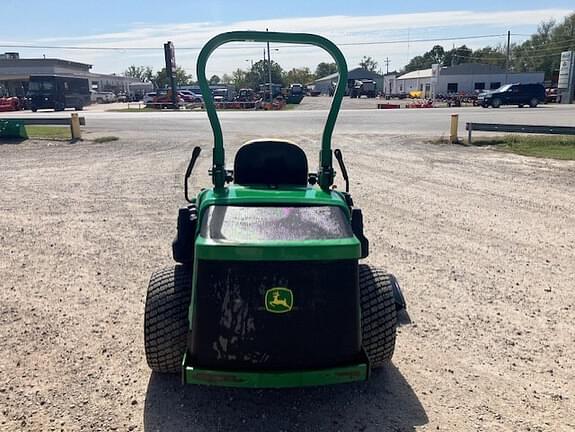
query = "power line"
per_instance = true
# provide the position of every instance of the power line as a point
(92, 48)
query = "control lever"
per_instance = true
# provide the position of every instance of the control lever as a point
(339, 157)
(195, 154)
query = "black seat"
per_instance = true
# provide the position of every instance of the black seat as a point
(268, 162)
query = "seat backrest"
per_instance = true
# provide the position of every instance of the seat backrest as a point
(270, 162)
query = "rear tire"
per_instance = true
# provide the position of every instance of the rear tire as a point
(378, 314)
(533, 103)
(166, 323)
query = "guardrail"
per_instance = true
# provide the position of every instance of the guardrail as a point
(517, 128)
(13, 127)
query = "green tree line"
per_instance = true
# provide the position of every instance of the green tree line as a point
(541, 52)
(252, 78)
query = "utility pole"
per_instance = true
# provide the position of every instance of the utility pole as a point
(270, 71)
(386, 61)
(507, 58)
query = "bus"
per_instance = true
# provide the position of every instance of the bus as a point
(58, 92)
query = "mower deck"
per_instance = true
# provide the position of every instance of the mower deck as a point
(280, 379)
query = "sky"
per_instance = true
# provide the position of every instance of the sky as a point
(394, 30)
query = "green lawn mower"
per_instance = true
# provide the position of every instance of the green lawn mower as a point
(268, 291)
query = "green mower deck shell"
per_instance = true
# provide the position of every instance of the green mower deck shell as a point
(339, 375)
(307, 250)
(285, 196)
(272, 250)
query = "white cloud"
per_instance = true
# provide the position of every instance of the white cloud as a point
(340, 29)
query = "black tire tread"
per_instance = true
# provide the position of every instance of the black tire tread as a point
(166, 318)
(378, 314)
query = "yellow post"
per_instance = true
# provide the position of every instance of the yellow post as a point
(75, 127)
(454, 125)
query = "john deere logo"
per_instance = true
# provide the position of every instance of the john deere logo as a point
(279, 300)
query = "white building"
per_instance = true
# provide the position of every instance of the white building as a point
(462, 79)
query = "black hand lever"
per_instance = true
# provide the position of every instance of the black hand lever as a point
(339, 157)
(195, 155)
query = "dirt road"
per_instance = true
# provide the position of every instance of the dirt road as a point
(482, 242)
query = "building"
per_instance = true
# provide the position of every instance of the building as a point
(15, 73)
(325, 84)
(462, 79)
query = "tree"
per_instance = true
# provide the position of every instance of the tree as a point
(298, 75)
(143, 73)
(490, 55)
(161, 80)
(438, 55)
(324, 69)
(259, 74)
(239, 78)
(457, 56)
(227, 79)
(214, 80)
(542, 51)
(368, 64)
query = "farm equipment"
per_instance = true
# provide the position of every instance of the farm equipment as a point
(363, 87)
(295, 94)
(268, 290)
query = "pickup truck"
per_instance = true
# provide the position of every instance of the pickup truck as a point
(102, 97)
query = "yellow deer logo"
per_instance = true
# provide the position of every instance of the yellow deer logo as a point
(279, 300)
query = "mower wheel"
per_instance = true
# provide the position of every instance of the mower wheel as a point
(166, 318)
(378, 314)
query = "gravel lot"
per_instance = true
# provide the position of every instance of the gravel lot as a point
(482, 242)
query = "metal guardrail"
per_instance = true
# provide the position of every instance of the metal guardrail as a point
(517, 128)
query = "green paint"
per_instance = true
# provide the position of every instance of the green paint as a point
(326, 172)
(279, 250)
(12, 129)
(286, 196)
(275, 379)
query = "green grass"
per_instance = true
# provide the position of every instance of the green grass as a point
(48, 132)
(545, 146)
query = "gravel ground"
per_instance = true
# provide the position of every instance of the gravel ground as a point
(482, 242)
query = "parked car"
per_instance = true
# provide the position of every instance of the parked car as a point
(149, 97)
(513, 94)
(161, 99)
(551, 95)
(102, 97)
(189, 96)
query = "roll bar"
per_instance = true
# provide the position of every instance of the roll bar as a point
(326, 172)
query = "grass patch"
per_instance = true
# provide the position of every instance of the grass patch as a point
(105, 139)
(554, 147)
(49, 132)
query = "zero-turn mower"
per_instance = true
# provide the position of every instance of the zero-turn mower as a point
(268, 290)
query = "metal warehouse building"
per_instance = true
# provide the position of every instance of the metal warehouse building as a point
(463, 79)
(15, 73)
